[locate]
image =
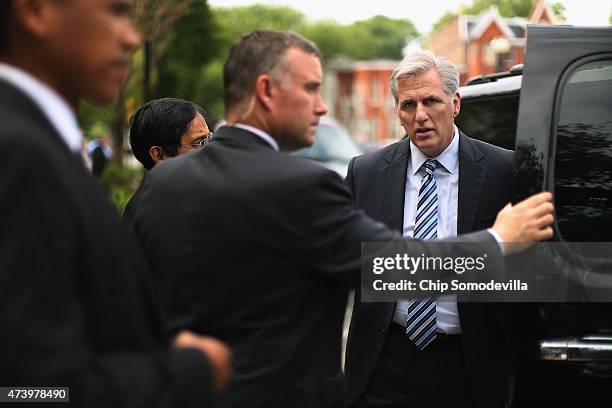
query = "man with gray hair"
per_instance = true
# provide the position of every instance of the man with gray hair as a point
(435, 183)
(259, 247)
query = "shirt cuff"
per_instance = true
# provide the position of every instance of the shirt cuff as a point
(498, 238)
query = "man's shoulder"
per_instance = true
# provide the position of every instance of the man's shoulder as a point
(22, 121)
(384, 154)
(490, 154)
(489, 148)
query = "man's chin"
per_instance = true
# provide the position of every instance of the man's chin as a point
(429, 149)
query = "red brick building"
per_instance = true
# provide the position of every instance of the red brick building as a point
(362, 101)
(488, 42)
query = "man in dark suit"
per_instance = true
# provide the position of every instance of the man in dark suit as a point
(162, 129)
(75, 293)
(258, 246)
(465, 365)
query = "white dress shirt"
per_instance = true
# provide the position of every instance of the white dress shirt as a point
(262, 135)
(447, 180)
(53, 106)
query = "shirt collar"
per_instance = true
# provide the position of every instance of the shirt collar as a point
(448, 158)
(53, 106)
(263, 135)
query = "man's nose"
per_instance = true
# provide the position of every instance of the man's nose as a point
(321, 107)
(131, 37)
(421, 113)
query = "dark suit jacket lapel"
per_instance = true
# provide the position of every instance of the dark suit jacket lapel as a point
(472, 177)
(393, 176)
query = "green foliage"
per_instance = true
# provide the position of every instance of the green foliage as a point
(121, 182)
(380, 37)
(209, 88)
(193, 45)
(558, 9)
(507, 8)
(445, 19)
(385, 38)
(234, 22)
(93, 119)
(333, 39)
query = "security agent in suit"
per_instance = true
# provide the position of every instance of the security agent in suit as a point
(259, 247)
(465, 365)
(75, 292)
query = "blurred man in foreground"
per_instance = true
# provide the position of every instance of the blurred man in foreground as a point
(260, 247)
(74, 290)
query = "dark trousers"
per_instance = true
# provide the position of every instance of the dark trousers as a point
(407, 377)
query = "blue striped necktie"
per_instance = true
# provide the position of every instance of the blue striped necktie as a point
(421, 319)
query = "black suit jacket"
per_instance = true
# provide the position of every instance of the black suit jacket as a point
(258, 248)
(74, 292)
(378, 181)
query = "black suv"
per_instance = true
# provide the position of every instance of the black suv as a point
(556, 113)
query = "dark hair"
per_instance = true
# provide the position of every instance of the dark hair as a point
(161, 122)
(5, 11)
(254, 54)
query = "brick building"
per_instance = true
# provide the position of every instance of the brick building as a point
(358, 95)
(487, 42)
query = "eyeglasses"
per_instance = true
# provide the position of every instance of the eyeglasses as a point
(198, 143)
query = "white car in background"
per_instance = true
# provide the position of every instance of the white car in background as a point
(333, 147)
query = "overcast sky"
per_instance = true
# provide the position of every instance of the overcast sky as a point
(423, 13)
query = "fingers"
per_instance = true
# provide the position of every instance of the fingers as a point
(184, 338)
(544, 221)
(545, 233)
(543, 209)
(217, 353)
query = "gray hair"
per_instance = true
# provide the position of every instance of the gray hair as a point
(421, 62)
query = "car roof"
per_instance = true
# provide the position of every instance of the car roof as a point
(500, 86)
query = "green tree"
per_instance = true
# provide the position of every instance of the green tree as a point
(380, 37)
(234, 22)
(507, 8)
(558, 10)
(194, 43)
(442, 21)
(374, 38)
(332, 38)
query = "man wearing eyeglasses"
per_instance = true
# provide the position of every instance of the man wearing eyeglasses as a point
(162, 129)
(165, 128)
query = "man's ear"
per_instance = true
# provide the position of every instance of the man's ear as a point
(456, 104)
(36, 16)
(264, 90)
(157, 154)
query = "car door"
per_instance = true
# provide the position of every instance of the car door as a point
(564, 145)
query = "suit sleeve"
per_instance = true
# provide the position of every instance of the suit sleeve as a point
(45, 335)
(337, 230)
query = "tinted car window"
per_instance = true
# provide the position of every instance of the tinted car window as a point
(583, 162)
(492, 119)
